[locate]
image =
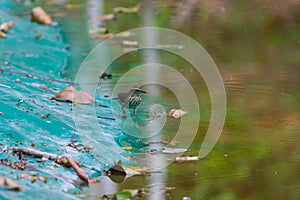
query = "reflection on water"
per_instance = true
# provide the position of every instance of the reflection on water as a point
(94, 9)
(257, 51)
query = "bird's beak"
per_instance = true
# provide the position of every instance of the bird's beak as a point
(140, 90)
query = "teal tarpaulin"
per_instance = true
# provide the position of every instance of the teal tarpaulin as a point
(31, 59)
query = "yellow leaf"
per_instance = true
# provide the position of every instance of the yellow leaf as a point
(127, 148)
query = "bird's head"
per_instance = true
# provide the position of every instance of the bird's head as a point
(137, 89)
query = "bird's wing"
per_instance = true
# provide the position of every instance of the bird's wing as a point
(123, 97)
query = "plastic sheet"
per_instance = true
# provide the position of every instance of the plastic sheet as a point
(31, 59)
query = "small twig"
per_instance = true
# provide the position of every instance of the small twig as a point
(19, 102)
(65, 161)
(75, 146)
(34, 153)
(4, 149)
(70, 162)
(102, 117)
(72, 143)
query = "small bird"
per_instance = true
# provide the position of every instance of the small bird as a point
(131, 99)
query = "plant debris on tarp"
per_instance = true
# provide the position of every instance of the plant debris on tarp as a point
(39, 15)
(4, 27)
(74, 96)
(10, 184)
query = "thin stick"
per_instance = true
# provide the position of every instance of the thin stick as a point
(35, 153)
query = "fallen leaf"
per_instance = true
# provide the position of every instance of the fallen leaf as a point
(4, 27)
(74, 96)
(39, 15)
(3, 35)
(127, 148)
(10, 184)
(34, 177)
(176, 113)
(42, 86)
(118, 173)
(134, 9)
(45, 116)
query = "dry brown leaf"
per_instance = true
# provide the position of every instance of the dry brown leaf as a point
(10, 184)
(176, 113)
(45, 116)
(34, 177)
(39, 15)
(118, 173)
(4, 27)
(3, 35)
(70, 94)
